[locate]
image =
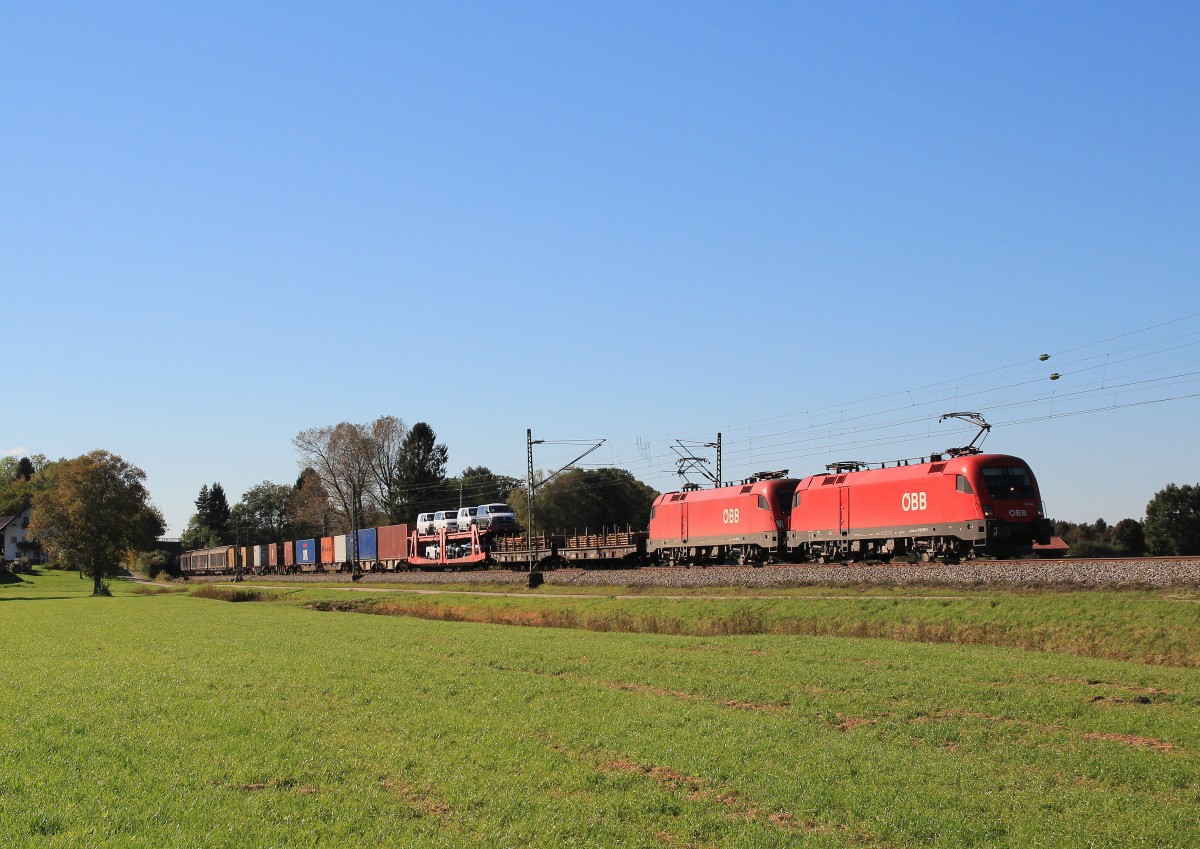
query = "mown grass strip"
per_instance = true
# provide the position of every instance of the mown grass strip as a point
(1145, 627)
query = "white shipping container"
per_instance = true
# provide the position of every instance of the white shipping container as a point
(260, 557)
(339, 548)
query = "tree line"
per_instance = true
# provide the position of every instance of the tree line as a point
(383, 473)
(93, 512)
(1171, 529)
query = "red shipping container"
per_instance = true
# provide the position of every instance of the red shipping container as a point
(393, 543)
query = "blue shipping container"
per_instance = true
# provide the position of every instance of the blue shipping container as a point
(368, 544)
(307, 552)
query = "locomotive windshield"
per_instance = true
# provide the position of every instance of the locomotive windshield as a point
(1008, 482)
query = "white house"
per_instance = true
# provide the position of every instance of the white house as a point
(12, 538)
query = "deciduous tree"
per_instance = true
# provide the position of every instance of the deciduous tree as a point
(342, 456)
(308, 509)
(262, 513)
(592, 499)
(95, 510)
(388, 434)
(1129, 537)
(1172, 525)
(480, 485)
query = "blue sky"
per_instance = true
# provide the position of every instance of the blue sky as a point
(813, 227)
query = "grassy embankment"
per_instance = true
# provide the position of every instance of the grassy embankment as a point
(1160, 627)
(171, 720)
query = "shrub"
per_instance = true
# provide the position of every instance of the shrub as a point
(232, 594)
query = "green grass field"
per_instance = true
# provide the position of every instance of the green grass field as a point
(174, 720)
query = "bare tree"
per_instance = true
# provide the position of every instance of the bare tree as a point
(342, 457)
(388, 434)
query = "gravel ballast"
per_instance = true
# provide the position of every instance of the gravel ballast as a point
(1078, 574)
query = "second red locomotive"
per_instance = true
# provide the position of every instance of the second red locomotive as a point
(740, 524)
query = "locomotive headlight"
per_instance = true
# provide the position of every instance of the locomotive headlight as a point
(987, 511)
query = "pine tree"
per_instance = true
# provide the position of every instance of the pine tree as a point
(218, 512)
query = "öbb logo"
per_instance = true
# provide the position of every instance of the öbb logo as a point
(731, 516)
(912, 501)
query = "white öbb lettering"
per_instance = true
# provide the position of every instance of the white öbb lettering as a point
(731, 516)
(1017, 513)
(912, 501)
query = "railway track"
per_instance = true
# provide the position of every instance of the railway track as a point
(1065, 573)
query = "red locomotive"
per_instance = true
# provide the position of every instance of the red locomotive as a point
(953, 507)
(742, 524)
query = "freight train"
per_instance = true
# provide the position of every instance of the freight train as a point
(953, 506)
(399, 547)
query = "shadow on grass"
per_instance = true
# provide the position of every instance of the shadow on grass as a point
(39, 597)
(7, 577)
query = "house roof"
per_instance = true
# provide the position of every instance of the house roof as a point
(5, 521)
(1057, 546)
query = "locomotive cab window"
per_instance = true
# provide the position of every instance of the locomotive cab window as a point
(1008, 482)
(762, 503)
(963, 485)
